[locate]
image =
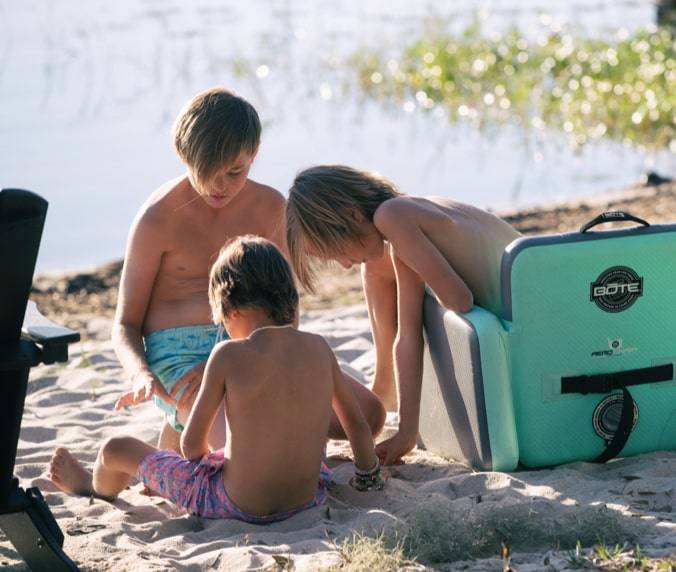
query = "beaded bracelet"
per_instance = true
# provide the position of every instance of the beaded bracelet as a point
(368, 480)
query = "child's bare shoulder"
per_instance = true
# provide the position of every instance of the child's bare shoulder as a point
(393, 210)
(265, 197)
(164, 201)
(395, 213)
(315, 341)
(225, 353)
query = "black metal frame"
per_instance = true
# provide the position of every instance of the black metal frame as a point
(26, 339)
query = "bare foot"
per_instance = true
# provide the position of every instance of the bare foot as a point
(67, 473)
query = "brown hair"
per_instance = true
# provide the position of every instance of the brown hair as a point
(251, 272)
(320, 212)
(214, 128)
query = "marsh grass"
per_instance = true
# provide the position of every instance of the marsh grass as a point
(622, 88)
(439, 532)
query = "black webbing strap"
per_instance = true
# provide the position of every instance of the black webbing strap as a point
(624, 427)
(607, 382)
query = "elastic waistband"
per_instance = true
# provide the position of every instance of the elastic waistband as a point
(182, 332)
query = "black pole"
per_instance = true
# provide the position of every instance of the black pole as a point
(13, 385)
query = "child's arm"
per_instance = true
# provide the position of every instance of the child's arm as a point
(142, 262)
(408, 349)
(352, 420)
(194, 439)
(399, 222)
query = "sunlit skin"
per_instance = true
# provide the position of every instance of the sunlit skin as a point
(172, 244)
(410, 242)
(279, 386)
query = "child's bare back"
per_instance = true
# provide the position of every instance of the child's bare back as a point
(278, 388)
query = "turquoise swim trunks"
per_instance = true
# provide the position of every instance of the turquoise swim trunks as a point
(173, 352)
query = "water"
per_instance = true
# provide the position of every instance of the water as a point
(89, 91)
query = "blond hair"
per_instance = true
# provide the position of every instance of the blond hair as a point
(213, 129)
(251, 272)
(320, 212)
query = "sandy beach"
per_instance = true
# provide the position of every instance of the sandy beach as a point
(433, 513)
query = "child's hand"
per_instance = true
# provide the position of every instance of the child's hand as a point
(144, 386)
(393, 449)
(192, 382)
(370, 480)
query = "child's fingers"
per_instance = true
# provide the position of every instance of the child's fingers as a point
(159, 390)
(191, 379)
(185, 381)
(125, 400)
(389, 452)
(188, 397)
(381, 453)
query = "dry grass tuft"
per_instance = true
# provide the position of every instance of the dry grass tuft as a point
(380, 554)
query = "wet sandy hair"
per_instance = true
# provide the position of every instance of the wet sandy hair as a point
(320, 213)
(213, 129)
(251, 272)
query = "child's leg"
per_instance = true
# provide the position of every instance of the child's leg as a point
(169, 438)
(116, 463)
(380, 289)
(370, 405)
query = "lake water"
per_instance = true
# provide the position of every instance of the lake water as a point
(89, 91)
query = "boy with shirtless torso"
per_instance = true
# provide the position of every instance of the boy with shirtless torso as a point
(403, 243)
(162, 332)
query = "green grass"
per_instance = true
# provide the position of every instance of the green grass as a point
(432, 545)
(619, 559)
(622, 88)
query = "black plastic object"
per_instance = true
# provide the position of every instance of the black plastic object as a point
(24, 516)
(32, 529)
(613, 216)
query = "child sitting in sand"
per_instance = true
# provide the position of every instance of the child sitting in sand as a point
(339, 213)
(278, 384)
(162, 332)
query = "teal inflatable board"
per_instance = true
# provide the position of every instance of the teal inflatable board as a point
(578, 366)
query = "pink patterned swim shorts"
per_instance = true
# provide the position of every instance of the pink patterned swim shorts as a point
(198, 486)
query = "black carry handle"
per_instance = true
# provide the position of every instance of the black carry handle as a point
(607, 382)
(613, 216)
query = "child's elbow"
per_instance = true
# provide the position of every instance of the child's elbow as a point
(190, 450)
(466, 303)
(460, 302)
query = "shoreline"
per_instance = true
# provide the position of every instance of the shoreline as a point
(73, 297)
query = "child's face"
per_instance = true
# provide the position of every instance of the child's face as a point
(226, 182)
(364, 249)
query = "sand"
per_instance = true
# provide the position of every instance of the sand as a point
(445, 514)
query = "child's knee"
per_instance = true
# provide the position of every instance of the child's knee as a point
(375, 415)
(113, 450)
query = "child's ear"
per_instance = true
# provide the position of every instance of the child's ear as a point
(233, 314)
(355, 215)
